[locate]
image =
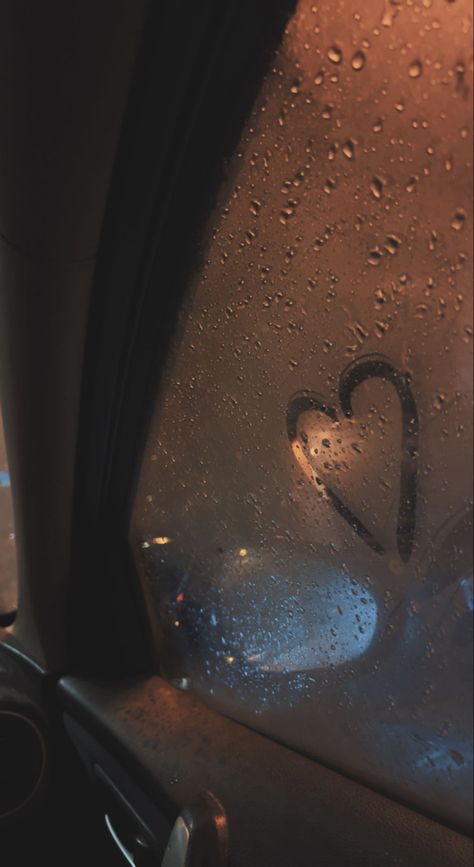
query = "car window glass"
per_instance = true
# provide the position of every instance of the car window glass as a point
(303, 518)
(8, 577)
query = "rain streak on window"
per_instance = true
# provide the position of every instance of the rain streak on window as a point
(303, 519)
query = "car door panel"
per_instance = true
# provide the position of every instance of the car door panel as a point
(281, 807)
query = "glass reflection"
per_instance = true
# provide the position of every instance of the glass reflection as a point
(294, 641)
(234, 610)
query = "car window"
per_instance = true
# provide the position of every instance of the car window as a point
(303, 518)
(8, 576)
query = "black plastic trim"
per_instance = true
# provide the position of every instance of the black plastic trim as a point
(178, 132)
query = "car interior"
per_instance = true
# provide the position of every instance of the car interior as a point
(236, 437)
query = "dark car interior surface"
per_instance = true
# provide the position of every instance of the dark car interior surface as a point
(236, 395)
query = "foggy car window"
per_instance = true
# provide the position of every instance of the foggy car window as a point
(303, 518)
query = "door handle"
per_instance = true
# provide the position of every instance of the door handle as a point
(198, 839)
(178, 849)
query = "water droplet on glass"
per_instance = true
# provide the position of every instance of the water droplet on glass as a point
(335, 54)
(415, 70)
(255, 206)
(376, 188)
(298, 178)
(432, 240)
(358, 61)
(377, 125)
(375, 257)
(458, 220)
(348, 149)
(288, 211)
(326, 113)
(457, 757)
(319, 78)
(392, 244)
(329, 185)
(387, 16)
(380, 328)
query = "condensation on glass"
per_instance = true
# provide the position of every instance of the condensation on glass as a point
(303, 520)
(8, 566)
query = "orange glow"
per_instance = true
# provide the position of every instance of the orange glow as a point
(161, 540)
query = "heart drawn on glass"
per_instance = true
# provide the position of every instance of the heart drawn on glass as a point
(365, 368)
